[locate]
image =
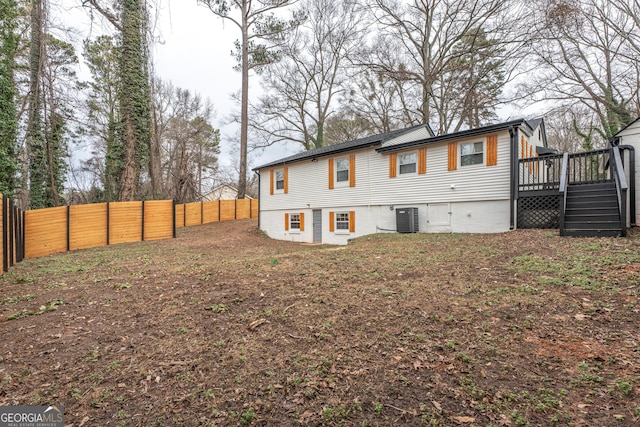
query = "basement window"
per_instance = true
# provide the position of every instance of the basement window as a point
(342, 221)
(294, 222)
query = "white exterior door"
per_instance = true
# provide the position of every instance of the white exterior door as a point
(439, 217)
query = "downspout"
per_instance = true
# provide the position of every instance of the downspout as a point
(632, 183)
(259, 194)
(513, 138)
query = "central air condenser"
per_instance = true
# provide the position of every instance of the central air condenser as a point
(407, 220)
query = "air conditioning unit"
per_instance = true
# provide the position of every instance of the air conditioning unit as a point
(407, 220)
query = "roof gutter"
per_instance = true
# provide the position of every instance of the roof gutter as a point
(259, 201)
(632, 177)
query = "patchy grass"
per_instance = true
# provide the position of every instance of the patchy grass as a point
(223, 326)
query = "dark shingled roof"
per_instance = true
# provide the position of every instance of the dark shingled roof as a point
(344, 146)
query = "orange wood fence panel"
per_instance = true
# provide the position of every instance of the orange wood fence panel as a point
(87, 226)
(158, 219)
(194, 214)
(45, 232)
(125, 222)
(255, 206)
(227, 210)
(211, 212)
(243, 208)
(180, 215)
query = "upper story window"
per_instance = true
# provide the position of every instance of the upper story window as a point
(280, 180)
(407, 162)
(471, 153)
(342, 170)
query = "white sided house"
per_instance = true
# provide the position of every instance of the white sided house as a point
(628, 139)
(407, 180)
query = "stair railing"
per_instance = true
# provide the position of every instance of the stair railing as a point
(617, 170)
(564, 182)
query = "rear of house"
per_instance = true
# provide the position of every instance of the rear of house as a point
(460, 182)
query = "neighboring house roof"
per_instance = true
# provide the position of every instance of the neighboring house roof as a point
(222, 192)
(345, 146)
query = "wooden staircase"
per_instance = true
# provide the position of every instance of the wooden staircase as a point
(592, 210)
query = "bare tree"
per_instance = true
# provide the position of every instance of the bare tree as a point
(424, 35)
(187, 142)
(260, 30)
(303, 88)
(584, 62)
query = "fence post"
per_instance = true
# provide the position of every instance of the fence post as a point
(5, 235)
(142, 221)
(174, 218)
(68, 228)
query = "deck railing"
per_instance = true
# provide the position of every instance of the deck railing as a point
(545, 172)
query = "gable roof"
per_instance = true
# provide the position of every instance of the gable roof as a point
(368, 141)
(520, 123)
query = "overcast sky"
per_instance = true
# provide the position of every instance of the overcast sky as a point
(193, 51)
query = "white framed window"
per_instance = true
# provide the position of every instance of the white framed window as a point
(280, 180)
(407, 162)
(294, 222)
(342, 170)
(342, 221)
(471, 153)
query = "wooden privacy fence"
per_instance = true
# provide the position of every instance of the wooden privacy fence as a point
(41, 232)
(198, 213)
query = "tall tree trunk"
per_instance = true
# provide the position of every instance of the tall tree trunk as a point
(244, 107)
(134, 95)
(36, 166)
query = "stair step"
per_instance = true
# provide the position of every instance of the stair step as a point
(597, 225)
(592, 218)
(590, 233)
(598, 185)
(586, 206)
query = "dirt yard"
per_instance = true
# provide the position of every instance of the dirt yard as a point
(223, 326)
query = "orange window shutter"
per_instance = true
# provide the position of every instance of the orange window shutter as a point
(331, 174)
(332, 221)
(286, 222)
(453, 156)
(392, 165)
(271, 179)
(301, 221)
(286, 180)
(422, 160)
(352, 170)
(352, 221)
(492, 150)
